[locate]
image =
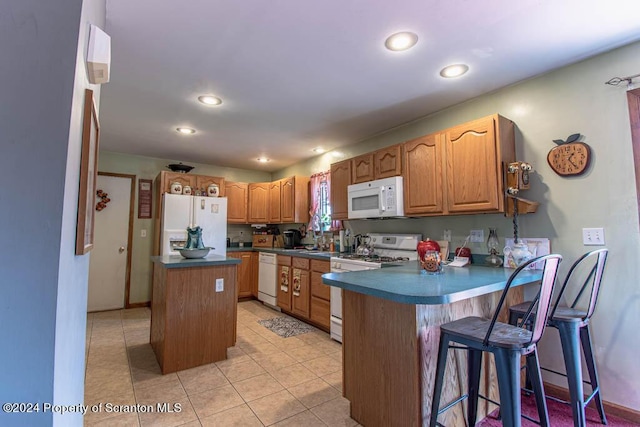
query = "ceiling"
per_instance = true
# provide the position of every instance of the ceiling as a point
(295, 75)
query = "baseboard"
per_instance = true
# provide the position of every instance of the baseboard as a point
(609, 408)
(139, 304)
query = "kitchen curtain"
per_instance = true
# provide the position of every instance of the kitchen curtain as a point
(316, 183)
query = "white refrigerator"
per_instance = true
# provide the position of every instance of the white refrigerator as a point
(180, 212)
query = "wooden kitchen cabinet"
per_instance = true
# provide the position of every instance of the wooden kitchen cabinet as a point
(340, 180)
(247, 273)
(475, 152)
(294, 200)
(320, 303)
(423, 184)
(258, 202)
(237, 201)
(362, 168)
(387, 162)
(284, 282)
(300, 292)
(275, 199)
(203, 182)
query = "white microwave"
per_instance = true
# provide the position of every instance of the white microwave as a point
(376, 199)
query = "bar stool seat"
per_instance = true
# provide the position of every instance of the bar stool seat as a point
(476, 328)
(507, 343)
(573, 327)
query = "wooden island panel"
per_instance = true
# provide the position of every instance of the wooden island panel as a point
(191, 323)
(390, 352)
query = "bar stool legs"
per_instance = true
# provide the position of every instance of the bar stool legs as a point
(571, 336)
(585, 338)
(570, 339)
(508, 372)
(508, 367)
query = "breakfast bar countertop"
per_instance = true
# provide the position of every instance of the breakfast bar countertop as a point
(177, 261)
(407, 284)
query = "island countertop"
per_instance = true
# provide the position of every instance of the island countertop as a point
(407, 284)
(177, 261)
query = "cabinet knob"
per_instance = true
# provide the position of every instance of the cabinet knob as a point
(121, 249)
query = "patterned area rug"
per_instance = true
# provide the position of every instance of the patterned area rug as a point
(286, 326)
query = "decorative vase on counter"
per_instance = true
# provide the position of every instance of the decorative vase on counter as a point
(429, 256)
(492, 245)
(517, 255)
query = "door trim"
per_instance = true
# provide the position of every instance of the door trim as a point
(633, 98)
(132, 198)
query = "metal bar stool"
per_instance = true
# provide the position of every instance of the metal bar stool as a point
(573, 327)
(507, 343)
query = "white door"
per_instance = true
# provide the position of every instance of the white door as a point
(108, 265)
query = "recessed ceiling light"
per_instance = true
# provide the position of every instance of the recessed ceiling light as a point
(455, 70)
(401, 41)
(263, 159)
(210, 100)
(186, 131)
(319, 150)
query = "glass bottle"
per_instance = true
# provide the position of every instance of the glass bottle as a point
(492, 246)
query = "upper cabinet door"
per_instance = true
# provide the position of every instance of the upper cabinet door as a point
(258, 202)
(168, 178)
(275, 198)
(423, 162)
(475, 152)
(237, 201)
(340, 180)
(387, 162)
(295, 199)
(288, 201)
(203, 182)
(362, 168)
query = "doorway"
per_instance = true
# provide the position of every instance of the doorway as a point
(110, 264)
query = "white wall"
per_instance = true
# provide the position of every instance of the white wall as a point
(553, 106)
(71, 313)
(44, 285)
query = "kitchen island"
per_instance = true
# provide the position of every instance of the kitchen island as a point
(193, 310)
(391, 329)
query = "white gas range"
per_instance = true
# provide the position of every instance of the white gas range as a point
(387, 249)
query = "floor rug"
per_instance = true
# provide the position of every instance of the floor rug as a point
(286, 326)
(559, 416)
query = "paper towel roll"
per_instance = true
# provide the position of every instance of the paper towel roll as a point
(342, 246)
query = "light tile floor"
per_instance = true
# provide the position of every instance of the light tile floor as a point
(266, 380)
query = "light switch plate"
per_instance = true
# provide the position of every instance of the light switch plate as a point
(476, 236)
(219, 285)
(593, 236)
(446, 235)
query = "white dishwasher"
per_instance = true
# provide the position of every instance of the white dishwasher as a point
(267, 278)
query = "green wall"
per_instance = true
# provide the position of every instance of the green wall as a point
(149, 168)
(551, 106)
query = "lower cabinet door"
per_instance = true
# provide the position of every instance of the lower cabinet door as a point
(320, 312)
(300, 292)
(284, 287)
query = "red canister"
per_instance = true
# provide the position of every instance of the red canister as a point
(427, 245)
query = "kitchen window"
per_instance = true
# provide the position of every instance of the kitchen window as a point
(320, 211)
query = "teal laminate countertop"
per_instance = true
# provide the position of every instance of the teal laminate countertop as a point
(177, 261)
(407, 284)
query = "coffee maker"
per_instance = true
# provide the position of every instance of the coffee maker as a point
(292, 238)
